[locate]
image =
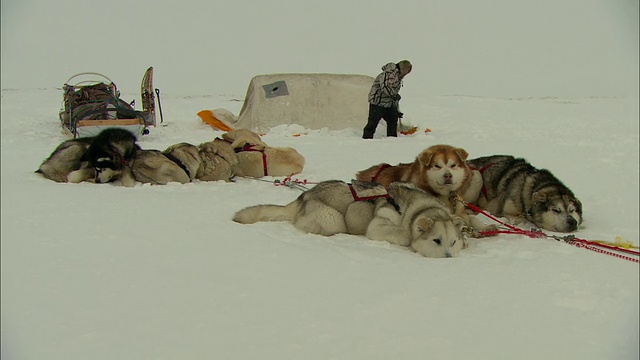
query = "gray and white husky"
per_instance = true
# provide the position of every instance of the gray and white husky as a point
(515, 189)
(66, 160)
(148, 166)
(405, 216)
(187, 155)
(84, 159)
(417, 220)
(322, 209)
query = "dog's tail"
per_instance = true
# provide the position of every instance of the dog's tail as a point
(257, 213)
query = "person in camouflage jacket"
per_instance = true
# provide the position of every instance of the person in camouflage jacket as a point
(384, 98)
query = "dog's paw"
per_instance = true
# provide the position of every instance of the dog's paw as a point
(489, 230)
(486, 231)
(78, 176)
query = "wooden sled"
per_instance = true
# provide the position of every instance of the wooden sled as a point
(91, 103)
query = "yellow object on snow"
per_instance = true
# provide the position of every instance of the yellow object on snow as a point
(208, 117)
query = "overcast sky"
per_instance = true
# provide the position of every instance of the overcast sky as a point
(512, 48)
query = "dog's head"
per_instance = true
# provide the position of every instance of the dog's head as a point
(445, 168)
(555, 211)
(107, 170)
(242, 137)
(437, 236)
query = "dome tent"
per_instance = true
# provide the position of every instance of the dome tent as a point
(314, 101)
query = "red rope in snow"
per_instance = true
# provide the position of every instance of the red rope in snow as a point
(569, 239)
(290, 182)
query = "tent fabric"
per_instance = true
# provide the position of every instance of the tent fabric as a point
(315, 101)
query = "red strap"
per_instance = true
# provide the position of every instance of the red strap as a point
(249, 147)
(382, 167)
(358, 198)
(484, 188)
(591, 245)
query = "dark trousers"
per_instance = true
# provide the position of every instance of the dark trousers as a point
(376, 113)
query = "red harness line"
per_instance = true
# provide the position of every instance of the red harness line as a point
(484, 188)
(358, 198)
(382, 167)
(249, 147)
(571, 240)
(264, 156)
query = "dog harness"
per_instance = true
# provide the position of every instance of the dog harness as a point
(249, 147)
(178, 162)
(484, 188)
(373, 197)
(382, 167)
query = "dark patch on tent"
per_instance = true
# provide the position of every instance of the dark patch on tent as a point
(278, 88)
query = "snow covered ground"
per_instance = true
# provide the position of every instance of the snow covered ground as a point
(161, 272)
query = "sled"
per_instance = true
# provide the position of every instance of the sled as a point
(91, 103)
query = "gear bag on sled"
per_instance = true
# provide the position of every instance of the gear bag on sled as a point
(91, 103)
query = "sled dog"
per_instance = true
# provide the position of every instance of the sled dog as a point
(321, 209)
(515, 189)
(187, 156)
(104, 153)
(65, 160)
(108, 152)
(417, 220)
(256, 159)
(218, 160)
(147, 166)
(242, 137)
(440, 170)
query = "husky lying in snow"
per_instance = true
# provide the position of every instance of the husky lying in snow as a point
(515, 189)
(64, 160)
(147, 166)
(440, 170)
(113, 155)
(406, 216)
(320, 210)
(256, 159)
(84, 159)
(420, 221)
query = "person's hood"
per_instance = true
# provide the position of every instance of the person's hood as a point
(390, 67)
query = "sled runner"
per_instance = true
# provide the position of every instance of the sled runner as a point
(91, 103)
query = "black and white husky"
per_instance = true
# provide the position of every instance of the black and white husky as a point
(515, 189)
(66, 160)
(85, 159)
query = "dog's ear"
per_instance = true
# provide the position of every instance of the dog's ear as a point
(578, 205)
(425, 157)
(462, 154)
(539, 197)
(422, 225)
(572, 200)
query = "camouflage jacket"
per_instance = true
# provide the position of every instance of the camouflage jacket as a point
(386, 85)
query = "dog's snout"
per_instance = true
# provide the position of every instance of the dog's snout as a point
(448, 176)
(573, 223)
